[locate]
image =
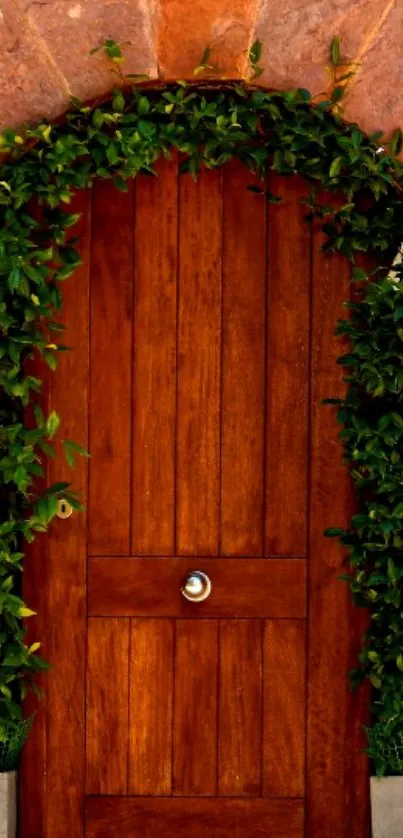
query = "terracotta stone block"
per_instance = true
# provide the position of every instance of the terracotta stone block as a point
(30, 88)
(184, 30)
(45, 46)
(296, 35)
(71, 28)
(374, 99)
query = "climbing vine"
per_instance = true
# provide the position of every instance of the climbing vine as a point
(287, 132)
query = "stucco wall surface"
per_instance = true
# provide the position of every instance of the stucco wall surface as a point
(45, 46)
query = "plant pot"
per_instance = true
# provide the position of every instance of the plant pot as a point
(8, 804)
(387, 807)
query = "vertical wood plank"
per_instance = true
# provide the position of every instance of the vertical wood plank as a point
(287, 371)
(284, 708)
(357, 796)
(111, 370)
(66, 591)
(198, 467)
(195, 708)
(243, 364)
(107, 729)
(154, 383)
(240, 700)
(32, 772)
(330, 505)
(151, 694)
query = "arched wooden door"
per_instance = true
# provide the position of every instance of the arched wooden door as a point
(202, 325)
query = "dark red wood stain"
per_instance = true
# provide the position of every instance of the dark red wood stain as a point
(202, 329)
(154, 370)
(111, 370)
(58, 764)
(151, 706)
(287, 403)
(243, 359)
(140, 587)
(199, 342)
(107, 709)
(194, 817)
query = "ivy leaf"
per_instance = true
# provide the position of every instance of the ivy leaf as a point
(396, 142)
(52, 424)
(97, 118)
(112, 153)
(333, 532)
(255, 52)
(56, 488)
(358, 274)
(204, 62)
(25, 612)
(337, 94)
(71, 449)
(336, 167)
(205, 56)
(335, 51)
(118, 101)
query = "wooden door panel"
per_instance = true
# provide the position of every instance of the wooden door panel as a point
(151, 675)
(140, 587)
(154, 362)
(107, 716)
(202, 328)
(288, 344)
(199, 707)
(240, 707)
(199, 351)
(243, 366)
(195, 708)
(332, 725)
(110, 370)
(284, 653)
(175, 818)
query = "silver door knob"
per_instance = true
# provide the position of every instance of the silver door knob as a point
(197, 586)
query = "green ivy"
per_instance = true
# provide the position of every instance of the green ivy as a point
(287, 132)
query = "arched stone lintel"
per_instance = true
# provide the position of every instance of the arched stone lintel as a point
(45, 49)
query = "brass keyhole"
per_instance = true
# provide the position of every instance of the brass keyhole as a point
(64, 509)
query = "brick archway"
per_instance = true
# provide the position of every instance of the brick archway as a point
(45, 45)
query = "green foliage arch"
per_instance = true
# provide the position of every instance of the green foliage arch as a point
(288, 133)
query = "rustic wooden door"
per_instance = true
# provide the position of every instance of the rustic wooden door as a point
(202, 326)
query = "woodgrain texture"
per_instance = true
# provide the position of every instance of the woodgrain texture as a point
(139, 587)
(66, 626)
(199, 341)
(243, 374)
(130, 818)
(63, 580)
(107, 728)
(284, 709)
(35, 580)
(195, 717)
(287, 405)
(330, 505)
(111, 369)
(154, 385)
(197, 400)
(240, 699)
(151, 698)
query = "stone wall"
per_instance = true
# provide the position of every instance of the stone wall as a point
(45, 45)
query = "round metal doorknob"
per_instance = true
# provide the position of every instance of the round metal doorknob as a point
(197, 586)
